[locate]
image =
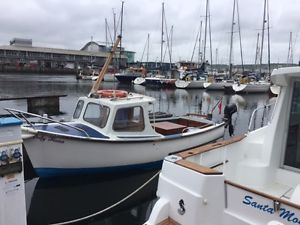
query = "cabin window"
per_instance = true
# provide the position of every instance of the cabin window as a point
(129, 119)
(78, 109)
(96, 114)
(292, 151)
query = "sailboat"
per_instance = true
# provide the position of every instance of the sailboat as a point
(246, 84)
(158, 79)
(196, 77)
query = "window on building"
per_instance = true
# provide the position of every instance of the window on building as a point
(292, 151)
(96, 114)
(129, 119)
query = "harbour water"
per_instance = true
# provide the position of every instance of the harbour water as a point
(61, 199)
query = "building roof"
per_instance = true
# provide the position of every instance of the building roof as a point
(54, 50)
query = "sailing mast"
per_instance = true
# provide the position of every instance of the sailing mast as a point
(210, 45)
(199, 49)
(162, 34)
(121, 30)
(290, 51)
(231, 42)
(205, 31)
(269, 48)
(256, 51)
(262, 36)
(239, 26)
(148, 51)
(170, 47)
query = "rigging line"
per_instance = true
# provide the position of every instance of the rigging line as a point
(108, 29)
(110, 207)
(144, 50)
(168, 35)
(167, 49)
(193, 52)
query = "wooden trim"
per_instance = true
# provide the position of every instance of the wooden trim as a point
(198, 168)
(209, 147)
(273, 198)
(168, 221)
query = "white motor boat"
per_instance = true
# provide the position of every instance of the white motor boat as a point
(248, 179)
(111, 131)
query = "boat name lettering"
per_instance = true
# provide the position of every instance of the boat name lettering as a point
(285, 214)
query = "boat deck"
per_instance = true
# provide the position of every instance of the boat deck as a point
(57, 128)
(168, 221)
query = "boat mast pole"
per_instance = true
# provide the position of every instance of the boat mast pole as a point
(106, 39)
(257, 51)
(231, 41)
(171, 46)
(205, 31)
(148, 39)
(262, 36)
(162, 35)
(210, 45)
(240, 36)
(289, 57)
(269, 48)
(121, 33)
(115, 29)
(105, 67)
(199, 49)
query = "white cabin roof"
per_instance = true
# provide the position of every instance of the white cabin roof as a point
(280, 76)
(132, 98)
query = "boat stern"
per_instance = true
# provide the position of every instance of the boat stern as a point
(189, 196)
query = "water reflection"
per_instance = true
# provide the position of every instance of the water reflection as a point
(62, 199)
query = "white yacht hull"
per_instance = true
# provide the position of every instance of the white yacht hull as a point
(218, 86)
(189, 84)
(251, 88)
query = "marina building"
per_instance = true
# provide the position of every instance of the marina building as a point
(21, 56)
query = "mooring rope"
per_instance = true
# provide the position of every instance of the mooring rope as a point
(110, 207)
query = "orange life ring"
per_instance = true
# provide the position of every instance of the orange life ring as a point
(112, 93)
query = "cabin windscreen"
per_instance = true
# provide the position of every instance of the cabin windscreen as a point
(78, 109)
(96, 114)
(130, 119)
(292, 151)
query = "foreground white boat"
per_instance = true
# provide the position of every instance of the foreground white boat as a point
(251, 179)
(111, 131)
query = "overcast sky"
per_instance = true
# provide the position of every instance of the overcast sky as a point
(71, 24)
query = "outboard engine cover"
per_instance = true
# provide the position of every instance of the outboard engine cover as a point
(229, 110)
